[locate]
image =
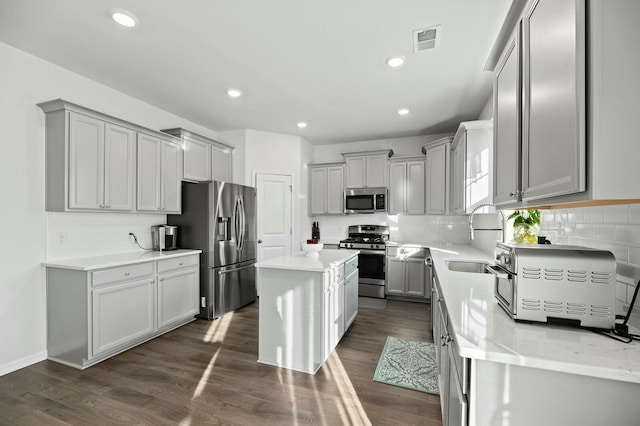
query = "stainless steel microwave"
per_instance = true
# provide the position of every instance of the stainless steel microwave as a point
(365, 200)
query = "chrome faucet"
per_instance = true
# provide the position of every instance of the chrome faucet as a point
(473, 212)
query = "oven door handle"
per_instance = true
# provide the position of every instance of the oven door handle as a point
(498, 272)
(374, 252)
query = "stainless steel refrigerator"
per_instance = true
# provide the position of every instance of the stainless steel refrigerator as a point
(219, 218)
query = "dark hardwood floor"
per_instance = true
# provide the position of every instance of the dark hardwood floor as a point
(206, 373)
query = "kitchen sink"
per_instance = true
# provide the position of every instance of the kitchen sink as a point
(477, 267)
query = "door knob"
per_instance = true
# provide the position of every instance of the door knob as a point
(259, 241)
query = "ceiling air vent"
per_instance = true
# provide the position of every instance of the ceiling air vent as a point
(425, 38)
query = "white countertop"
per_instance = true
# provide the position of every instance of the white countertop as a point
(485, 332)
(119, 259)
(326, 259)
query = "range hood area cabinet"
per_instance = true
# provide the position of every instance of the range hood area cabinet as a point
(91, 159)
(367, 169)
(204, 159)
(326, 188)
(407, 185)
(472, 166)
(565, 98)
(437, 175)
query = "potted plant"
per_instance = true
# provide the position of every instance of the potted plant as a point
(526, 226)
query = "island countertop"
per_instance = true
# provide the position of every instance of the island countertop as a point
(325, 260)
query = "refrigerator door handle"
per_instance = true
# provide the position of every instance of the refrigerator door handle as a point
(243, 222)
(236, 223)
(236, 269)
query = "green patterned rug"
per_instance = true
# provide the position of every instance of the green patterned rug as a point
(408, 364)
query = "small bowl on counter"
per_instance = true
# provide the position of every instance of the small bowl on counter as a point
(311, 248)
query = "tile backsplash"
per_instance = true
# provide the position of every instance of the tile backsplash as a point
(614, 228)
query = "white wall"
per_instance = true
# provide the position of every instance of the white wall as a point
(28, 231)
(270, 152)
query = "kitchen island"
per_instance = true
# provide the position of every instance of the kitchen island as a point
(501, 372)
(306, 305)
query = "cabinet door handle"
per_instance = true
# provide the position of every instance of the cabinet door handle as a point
(108, 206)
(126, 274)
(181, 263)
(161, 279)
(102, 206)
(153, 281)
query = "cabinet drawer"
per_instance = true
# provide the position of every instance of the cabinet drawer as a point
(123, 273)
(407, 251)
(350, 265)
(177, 263)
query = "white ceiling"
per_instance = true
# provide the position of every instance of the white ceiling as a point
(322, 62)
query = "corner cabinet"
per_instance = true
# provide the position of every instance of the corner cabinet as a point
(472, 166)
(407, 185)
(367, 169)
(205, 159)
(95, 314)
(326, 188)
(438, 180)
(159, 175)
(406, 271)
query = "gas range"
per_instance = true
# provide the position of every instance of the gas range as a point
(371, 240)
(368, 237)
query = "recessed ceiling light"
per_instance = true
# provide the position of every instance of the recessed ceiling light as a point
(403, 111)
(395, 61)
(234, 93)
(302, 124)
(124, 17)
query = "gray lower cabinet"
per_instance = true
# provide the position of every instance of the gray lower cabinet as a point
(350, 291)
(92, 315)
(453, 370)
(406, 272)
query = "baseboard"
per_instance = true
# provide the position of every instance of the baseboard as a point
(12, 366)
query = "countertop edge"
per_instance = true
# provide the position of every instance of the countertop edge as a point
(113, 260)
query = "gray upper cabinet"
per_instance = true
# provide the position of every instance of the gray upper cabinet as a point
(204, 158)
(159, 174)
(437, 176)
(506, 116)
(540, 105)
(407, 185)
(553, 132)
(367, 169)
(471, 165)
(90, 160)
(326, 188)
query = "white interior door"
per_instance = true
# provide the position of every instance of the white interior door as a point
(275, 227)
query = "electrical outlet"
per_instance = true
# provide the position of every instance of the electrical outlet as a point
(61, 238)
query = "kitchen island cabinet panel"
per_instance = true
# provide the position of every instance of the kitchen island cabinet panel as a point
(306, 305)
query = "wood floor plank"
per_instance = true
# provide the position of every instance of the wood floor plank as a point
(206, 373)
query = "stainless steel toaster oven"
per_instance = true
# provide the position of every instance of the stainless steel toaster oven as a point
(563, 284)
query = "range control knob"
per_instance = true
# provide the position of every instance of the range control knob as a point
(372, 246)
(350, 245)
(377, 246)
